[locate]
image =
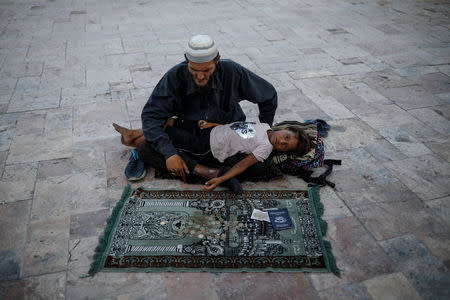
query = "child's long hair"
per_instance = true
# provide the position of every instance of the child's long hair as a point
(304, 143)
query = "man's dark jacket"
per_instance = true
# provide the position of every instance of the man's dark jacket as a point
(177, 95)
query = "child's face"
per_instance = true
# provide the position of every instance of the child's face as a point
(284, 140)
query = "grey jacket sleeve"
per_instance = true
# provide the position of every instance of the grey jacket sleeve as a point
(257, 90)
(159, 108)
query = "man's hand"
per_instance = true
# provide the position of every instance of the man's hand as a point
(211, 184)
(176, 166)
(169, 123)
(202, 124)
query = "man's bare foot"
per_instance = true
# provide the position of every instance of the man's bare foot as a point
(129, 136)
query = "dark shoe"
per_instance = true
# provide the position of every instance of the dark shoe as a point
(135, 169)
(233, 184)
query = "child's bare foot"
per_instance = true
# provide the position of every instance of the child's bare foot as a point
(128, 136)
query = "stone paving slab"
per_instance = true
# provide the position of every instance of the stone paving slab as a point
(424, 272)
(394, 286)
(376, 71)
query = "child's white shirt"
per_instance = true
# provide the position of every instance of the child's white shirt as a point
(240, 137)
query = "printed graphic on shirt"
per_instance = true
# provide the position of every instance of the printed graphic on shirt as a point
(245, 129)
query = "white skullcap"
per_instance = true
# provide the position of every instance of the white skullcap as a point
(201, 49)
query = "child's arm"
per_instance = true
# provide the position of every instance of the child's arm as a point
(237, 169)
(204, 124)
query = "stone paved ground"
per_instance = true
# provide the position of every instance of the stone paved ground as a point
(377, 71)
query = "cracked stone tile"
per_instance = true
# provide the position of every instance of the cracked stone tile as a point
(81, 252)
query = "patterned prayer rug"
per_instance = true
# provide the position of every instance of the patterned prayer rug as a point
(169, 230)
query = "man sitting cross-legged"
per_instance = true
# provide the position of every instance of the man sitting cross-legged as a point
(203, 87)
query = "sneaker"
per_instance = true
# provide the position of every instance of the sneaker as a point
(135, 169)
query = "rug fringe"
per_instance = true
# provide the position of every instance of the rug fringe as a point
(324, 228)
(103, 240)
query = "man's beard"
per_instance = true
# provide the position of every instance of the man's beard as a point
(204, 89)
